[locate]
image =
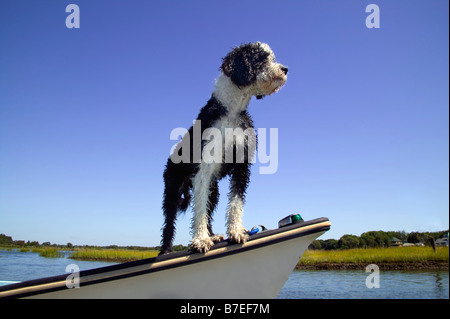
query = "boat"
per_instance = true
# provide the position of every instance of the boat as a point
(256, 269)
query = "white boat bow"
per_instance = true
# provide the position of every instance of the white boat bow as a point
(256, 269)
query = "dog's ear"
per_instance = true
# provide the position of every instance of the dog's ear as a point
(243, 63)
(237, 67)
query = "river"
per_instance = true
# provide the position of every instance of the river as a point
(302, 284)
(351, 284)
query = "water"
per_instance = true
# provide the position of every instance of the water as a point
(302, 284)
(351, 284)
(17, 266)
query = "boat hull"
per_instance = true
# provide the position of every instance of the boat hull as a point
(256, 269)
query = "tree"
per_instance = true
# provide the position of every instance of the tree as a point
(413, 238)
(382, 239)
(330, 244)
(19, 243)
(5, 240)
(316, 244)
(367, 240)
(32, 244)
(179, 248)
(348, 242)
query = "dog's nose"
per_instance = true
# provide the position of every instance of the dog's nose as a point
(284, 69)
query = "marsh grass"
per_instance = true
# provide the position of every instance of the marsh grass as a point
(405, 255)
(49, 252)
(113, 255)
(376, 255)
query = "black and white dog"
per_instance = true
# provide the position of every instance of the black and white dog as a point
(248, 70)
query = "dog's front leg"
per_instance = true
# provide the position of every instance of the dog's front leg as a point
(201, 188)
(238, 186)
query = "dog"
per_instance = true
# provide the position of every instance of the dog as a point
(248, 70)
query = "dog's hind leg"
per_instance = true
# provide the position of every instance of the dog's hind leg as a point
(170, 209)
(172, 203)
(170, 214)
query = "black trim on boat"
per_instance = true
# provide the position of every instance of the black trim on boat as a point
(104, 270)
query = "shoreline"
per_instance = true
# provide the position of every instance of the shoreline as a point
(405, 258)
(426, 265)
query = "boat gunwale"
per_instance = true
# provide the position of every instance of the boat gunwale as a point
(164, 262)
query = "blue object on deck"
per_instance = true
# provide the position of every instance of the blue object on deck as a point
(259, 228)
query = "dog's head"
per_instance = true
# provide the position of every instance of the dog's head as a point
(252, 67)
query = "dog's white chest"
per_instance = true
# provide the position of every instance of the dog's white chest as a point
(230, 126)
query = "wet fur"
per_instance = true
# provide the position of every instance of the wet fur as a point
(248, 70)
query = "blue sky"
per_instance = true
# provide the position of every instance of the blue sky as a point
(86, 114)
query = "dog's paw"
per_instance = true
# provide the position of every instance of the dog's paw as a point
(239, 236)
(202, 245)
(217, 238)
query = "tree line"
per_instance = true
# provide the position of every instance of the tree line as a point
(376, 239)
(7, 241)
(371, 239)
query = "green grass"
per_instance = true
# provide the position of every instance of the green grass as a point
(310, 257)
(49, 252)
(376, 255)
(113, 255)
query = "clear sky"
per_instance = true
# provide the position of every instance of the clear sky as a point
(86, 114)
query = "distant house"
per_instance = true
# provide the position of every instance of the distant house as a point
(396, 242)
(442, 241)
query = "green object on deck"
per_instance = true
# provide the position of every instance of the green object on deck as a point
(296, 218)
(289, 220)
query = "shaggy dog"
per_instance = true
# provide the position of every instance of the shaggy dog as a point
(248, 70)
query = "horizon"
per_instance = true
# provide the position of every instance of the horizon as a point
(186, 245)
(87, 111)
